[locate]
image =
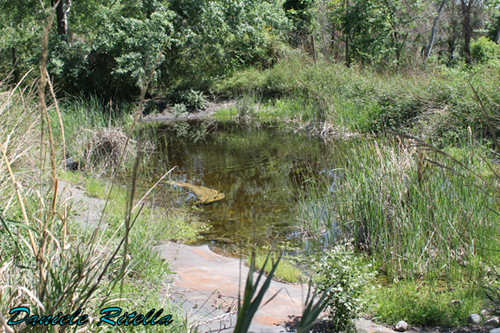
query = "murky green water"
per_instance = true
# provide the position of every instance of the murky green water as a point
(261, 170)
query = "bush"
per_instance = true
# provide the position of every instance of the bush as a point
(179, 109)
(193, 98)
(484, 50)
(348, 277)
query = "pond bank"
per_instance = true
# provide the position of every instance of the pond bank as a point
(166, 114)
(205, 284)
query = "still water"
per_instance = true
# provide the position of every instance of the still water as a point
(263, 171)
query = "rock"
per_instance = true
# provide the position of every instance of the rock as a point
(401, 326)
(71, 164)
(485, 313)
(474, 319)
(495, 330)
(492, 323)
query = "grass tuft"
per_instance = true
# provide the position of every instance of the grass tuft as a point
(425, 305)
(286, 270)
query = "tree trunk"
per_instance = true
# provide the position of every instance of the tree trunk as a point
(433, 32)
(347, 58)
(451, 49)
(332, 42)
(15, 72)
(497, 38)
(467, 28)
(347, 34)
(62, 11)
(313, 47)
(398, 50)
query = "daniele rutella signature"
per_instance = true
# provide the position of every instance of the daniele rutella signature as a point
(110, 316)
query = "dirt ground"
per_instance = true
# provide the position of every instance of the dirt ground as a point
(164, 113)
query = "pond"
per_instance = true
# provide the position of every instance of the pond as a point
(262, 170)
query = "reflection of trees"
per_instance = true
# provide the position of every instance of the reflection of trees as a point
(257, 170)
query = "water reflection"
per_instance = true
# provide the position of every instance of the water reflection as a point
(261, 170)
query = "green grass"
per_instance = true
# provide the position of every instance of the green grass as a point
(176, 226)
(423, 305)
(438, 104)
(286, 270)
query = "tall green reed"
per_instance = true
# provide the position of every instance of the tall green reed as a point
(419, 213)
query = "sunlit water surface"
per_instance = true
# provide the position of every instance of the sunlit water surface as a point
(263, 172)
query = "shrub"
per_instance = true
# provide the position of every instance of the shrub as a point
(348, 277)
(193, 98)
(179, 109)
(484, 50)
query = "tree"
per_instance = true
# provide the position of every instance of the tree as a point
(126, 39)
(494, 32)
(402, 15)
(62, 11)
(20, 29)
(433, 31)
(299, 11)
(466, 7)
(221, 36)
(361, 27)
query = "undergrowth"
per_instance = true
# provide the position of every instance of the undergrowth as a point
(436, 104)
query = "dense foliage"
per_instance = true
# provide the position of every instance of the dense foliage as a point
(109, 44)
(103, 47)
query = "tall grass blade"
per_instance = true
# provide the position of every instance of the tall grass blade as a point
(313, 310)
(249, 307)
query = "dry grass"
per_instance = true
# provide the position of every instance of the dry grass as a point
(104, 150)
(18, 115)
(40, 265)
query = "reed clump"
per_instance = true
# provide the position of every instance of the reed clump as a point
(420, 215)
(419, 211)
